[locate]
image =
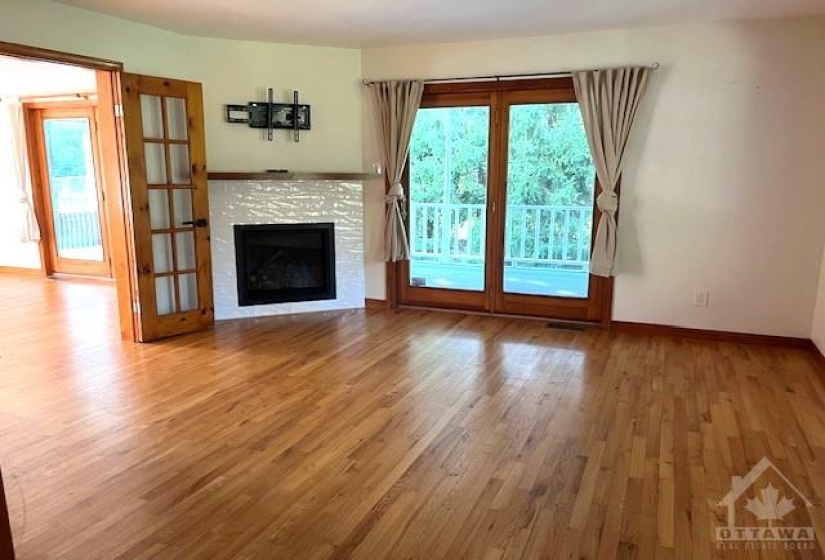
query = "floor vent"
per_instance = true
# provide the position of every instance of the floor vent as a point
(566, 326)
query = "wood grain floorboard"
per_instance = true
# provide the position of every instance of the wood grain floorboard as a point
(385, 434)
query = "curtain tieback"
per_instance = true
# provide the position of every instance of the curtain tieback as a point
(396, 192)
(608, 201)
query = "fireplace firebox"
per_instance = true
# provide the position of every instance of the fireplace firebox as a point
(278, 263)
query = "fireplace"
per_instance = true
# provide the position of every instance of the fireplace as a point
(278, 263)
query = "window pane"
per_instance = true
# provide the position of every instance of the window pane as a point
(176, 119)
(185, 250)
(155, 163)
(188, 287)
(179, 163)
(165, 295)
(182, 199)
(549, 215)
(152, 116)
(162, 252)
(73, 189)
(448, 197)
(158, 209)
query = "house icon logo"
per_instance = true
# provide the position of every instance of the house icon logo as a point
(772, 507)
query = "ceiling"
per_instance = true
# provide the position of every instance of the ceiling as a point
(364, 23)
(26, 78)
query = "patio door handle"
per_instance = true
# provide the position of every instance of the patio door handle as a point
(200, 222)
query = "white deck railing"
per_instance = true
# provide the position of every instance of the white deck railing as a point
(455, 233)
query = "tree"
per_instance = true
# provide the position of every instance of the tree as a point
(66, 141)
(548, 164)
(548, 158)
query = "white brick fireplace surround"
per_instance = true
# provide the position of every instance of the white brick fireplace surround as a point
(287, 202)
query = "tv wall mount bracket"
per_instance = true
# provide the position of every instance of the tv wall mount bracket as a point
(272, 116)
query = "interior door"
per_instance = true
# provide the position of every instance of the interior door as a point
(68, 174)
(165, 145)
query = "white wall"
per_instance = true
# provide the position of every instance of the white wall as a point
(818, 327)
(231, 72)
(722, 190)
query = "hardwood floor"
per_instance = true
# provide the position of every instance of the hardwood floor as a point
(385, 434)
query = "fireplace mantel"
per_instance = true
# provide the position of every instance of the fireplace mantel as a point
(288, 176)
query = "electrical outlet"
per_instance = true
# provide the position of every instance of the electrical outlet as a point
(701, 298)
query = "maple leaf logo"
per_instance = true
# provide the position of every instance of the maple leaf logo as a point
(770, 507)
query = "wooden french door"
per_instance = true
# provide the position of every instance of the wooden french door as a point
(501, 205)
(69, 194)
(165, 145)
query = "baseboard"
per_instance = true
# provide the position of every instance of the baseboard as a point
(21, 271)
(718, 336)
(667, 330)
(819, 357)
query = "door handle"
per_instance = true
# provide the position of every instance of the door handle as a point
(200, 222)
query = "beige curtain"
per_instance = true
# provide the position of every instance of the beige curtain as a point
(609, 101)
(29, 228)
(396, 103)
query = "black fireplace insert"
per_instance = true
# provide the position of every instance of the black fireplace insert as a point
(278, 263)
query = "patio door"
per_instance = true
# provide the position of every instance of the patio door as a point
(447, 212)
(165, 144)
(501, 203)
(67, 164)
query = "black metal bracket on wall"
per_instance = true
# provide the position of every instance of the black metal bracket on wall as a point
(272, 116)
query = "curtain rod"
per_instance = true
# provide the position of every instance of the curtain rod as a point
(504, 77)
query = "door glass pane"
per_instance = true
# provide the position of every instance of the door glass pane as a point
(188, 287)
(159, 209)
(165, 295)
(176, 118)
(185, 247)
(182, 199)
(179, 163)
(549, 214)
(152, 117)
(448, 197)
(155, 163)
(162, 252)
(73, 188)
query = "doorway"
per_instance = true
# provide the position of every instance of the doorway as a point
(143, 157)
(501, 203)
(64, 144)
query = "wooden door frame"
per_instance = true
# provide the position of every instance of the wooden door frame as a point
(114, 175)
(601, 290)
(435, 297)
(35, 115)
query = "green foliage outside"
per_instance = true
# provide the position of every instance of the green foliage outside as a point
(71, 172)
(65, 144)
(549, 160)
(549, 164)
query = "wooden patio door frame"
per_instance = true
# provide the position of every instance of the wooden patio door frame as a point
(36, 114)
(500, 95)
